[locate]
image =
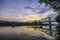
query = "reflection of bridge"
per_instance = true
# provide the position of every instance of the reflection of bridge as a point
(47, 22)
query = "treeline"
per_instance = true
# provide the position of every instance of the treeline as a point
(6, 23)
(9, 23)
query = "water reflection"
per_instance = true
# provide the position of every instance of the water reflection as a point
(12, 30)
(22, 33)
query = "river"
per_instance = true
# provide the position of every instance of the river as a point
(23, 33)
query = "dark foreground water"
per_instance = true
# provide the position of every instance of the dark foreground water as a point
(23, 33)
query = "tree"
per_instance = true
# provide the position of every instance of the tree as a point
(55, 4)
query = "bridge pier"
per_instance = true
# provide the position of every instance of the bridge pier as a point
(50, 28)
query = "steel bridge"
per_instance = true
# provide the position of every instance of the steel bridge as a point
(47, 21)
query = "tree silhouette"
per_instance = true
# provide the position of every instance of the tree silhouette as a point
(55, 4)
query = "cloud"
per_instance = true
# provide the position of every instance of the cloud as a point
(28, 7)
(38, 9)
(28, 15)
(38, 16)
(20, 10)
(53, 15)
(47, 14)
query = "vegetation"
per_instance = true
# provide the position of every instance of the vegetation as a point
(6, 23)
(55, 4)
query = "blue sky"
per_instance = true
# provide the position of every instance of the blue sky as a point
(24, 10)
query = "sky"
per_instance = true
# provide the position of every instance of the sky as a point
(24, 10)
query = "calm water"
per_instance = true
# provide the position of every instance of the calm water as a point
(22, 33)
